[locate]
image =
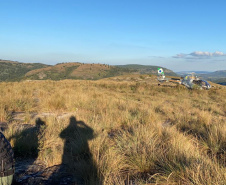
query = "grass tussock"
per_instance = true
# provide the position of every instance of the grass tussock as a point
(121, 132)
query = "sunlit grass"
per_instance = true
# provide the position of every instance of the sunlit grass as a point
(142, 133)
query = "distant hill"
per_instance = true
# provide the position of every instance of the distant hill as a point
(206, 74)
(216, 74)
(91, 71)
(217, 77)
(13, 71)
(184, 73)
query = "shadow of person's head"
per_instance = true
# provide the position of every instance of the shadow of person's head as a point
(73, 120)
(39, 123)
(80, 129)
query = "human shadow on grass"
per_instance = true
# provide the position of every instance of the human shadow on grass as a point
(77, 161)
(26, 149)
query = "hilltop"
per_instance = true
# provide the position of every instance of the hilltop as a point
(74, 71)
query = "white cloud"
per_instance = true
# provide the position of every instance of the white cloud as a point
(205, 53)
(200, 54)
(218, 53)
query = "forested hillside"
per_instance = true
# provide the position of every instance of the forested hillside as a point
(14, 71)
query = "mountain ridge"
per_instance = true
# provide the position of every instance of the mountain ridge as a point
(14, 71)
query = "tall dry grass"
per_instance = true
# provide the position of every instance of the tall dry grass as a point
(143, 133)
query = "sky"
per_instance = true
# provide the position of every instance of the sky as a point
(181, 35)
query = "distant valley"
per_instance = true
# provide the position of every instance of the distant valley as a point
(218, 77)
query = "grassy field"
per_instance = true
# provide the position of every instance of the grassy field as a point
(133, 131)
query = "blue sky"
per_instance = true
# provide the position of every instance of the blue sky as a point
(181, 35)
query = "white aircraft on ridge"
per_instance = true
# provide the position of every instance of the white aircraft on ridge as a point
(190, 81)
